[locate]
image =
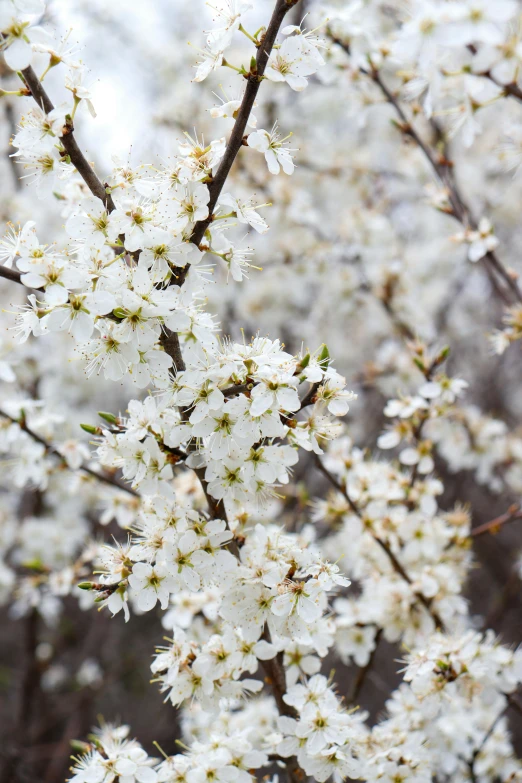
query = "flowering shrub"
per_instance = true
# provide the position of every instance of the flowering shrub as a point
(222, 485)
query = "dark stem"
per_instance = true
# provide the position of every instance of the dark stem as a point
(78, 159)
(363, 672)
(513, 513)
(276, 678)
(460, 210)
(397, 566)
(235, 142)
(50, 449)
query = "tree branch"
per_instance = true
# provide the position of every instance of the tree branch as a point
(363, 672)
(11, 274)
(397, 566)
(513, 513)
(80, 162)
(276, 678)
(235, 141)
(460, 210)
(50, 449)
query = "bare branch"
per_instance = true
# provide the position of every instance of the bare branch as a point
(513, 513)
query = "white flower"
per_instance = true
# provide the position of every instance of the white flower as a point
(18, 35)
(10, 244)
(355, 641)
(134, 219)
(90, 225)
(334, 396)
(211, 60)
(74, 82)
(290, 64)
(419, 456)
(245, 211)
(229, 12)
(230, 109)
(482, 241)
(187, 208)
(78, 314)
(186, 557)
(299, 597)
(277, 156)
(447, 389)
(108, 353)
(275, 391)
(405, 408)
(151, 584)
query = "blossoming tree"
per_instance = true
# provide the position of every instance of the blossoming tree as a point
(222, 486)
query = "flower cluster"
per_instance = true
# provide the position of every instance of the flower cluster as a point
(242, 507)
(227, 414)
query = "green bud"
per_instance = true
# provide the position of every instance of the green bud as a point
(305, 361)
(79, 747)
(253, 65)
(119, 312)
(324, 357)
(90, 429)
(85, 585)
(419, 363)
(34, 565)
(110, 417)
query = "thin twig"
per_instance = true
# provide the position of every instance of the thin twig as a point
(513, 513)
(397, 566)
(363, 671)
(235, 141)
(50, 449)
(490, 731)
(460, 210)
(78, 159)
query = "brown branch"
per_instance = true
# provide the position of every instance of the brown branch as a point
(171, 345)
(397, 566)
(513, 513)
(11, 274)
(16, 754)
(235, 141)
(78, 159)
(459, 208)
(276, 678)
(363, 671)
(513, 703)
(170, 340)
(50, 449)
(18, 744)
(239, 388)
